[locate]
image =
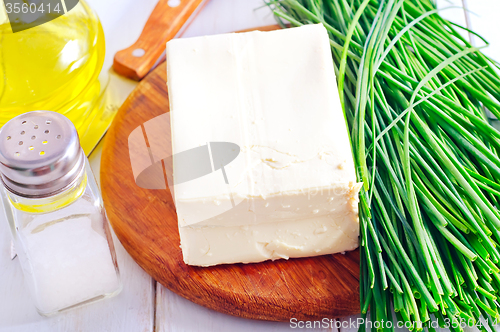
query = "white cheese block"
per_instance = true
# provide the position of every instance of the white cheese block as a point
(274, 95)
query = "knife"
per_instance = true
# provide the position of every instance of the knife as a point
(164, 23)
(169, 19)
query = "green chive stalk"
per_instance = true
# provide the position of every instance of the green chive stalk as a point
(414, 94)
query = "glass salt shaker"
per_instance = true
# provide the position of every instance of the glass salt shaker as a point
(55, 212)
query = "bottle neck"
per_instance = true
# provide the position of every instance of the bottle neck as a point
(51, 203)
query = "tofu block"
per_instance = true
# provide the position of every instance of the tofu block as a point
(262, 162)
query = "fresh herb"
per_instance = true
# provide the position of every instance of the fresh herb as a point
(414, 94)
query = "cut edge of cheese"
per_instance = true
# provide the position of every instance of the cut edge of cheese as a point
(269, 241)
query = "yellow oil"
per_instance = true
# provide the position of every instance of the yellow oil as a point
(55, 66)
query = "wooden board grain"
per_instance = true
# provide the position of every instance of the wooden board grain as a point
(145, 221)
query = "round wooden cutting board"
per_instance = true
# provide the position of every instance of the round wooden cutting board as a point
(145, 222)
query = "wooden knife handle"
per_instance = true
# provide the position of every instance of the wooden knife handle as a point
(163, 24)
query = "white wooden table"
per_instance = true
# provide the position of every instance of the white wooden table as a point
(144, 305)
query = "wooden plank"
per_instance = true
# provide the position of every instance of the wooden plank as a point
(133, 309)
(175, 313)
(224, 16)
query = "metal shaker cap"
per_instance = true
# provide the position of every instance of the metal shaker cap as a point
(40, 154)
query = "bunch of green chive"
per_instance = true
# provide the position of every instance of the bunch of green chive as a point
(414, 94)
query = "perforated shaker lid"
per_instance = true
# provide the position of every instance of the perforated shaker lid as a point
(40, 154)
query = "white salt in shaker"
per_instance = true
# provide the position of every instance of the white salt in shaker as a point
(55, 212)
